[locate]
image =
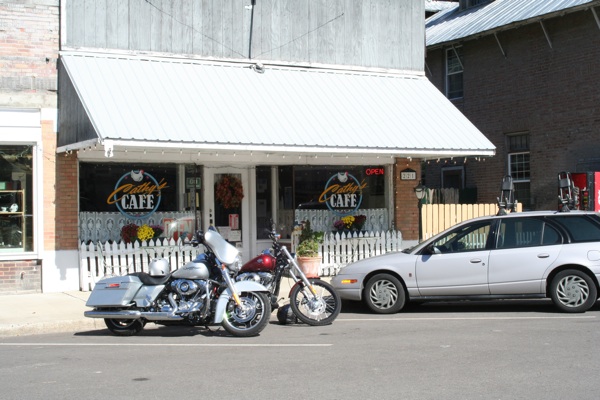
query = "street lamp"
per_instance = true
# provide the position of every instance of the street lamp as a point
(420, 192)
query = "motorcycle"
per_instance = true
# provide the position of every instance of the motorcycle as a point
(313, 301)
(202, 292)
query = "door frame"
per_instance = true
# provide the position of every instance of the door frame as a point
(208, 196)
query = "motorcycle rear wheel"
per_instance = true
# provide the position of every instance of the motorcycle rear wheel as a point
(250, 319)
(124, 327)
(318, 310)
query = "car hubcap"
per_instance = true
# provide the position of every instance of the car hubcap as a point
(572, 291)
(384, 294)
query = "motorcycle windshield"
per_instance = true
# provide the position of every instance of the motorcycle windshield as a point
(225, 251)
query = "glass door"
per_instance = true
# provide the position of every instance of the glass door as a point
(226, 198)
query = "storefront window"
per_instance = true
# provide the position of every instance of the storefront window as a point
(128, 188)
(264, 209)
(342, 189)
(115, 195)
(16, 200)
(324, 194)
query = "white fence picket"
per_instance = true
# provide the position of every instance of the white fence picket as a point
(98, 260)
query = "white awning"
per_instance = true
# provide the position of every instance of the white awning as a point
(162, 102)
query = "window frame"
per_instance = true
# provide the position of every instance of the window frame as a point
(457, 51)
(519, 181)
(25, 124)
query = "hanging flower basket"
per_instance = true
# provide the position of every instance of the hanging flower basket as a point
(229, 192)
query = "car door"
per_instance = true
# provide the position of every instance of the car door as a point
(525, 248)
(459, 263)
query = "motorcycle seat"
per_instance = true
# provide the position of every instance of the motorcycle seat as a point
(150, 280)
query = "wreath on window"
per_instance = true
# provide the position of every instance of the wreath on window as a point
(229, 192)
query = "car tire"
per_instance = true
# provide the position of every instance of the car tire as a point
(573, 291)
(384, 294)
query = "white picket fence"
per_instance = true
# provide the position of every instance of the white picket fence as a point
(98, 260)
(339, 249)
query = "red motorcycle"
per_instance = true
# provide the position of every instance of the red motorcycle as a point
(313, 301)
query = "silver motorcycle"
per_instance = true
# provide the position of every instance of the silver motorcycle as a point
(202, 292)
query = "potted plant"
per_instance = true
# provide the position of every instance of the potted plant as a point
(307, 252)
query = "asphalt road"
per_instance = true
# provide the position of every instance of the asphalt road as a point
(501, 350)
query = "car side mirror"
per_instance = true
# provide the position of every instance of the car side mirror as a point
(431, 249)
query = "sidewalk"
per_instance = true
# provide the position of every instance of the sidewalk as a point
(33, 314)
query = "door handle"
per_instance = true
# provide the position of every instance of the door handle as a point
(543, 255)
(475, 260)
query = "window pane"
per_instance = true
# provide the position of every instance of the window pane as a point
(520, 232)
(468, 238)
(580, 228)
(454, 73)
(16, 200)
(519, 166)
(455, 86)
(264, 210)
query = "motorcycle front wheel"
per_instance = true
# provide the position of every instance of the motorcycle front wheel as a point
(319, 309)
(124, 327)
(250, 318)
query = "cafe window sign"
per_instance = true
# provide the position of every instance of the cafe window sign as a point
(343, 193)
(137, 194)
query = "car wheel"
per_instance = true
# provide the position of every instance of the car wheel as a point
(384, 294)
(573, 291)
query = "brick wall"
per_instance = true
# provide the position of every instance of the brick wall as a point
(66, 202)
(551, 93)
(406, 213)
(29, 43)
(20, 277)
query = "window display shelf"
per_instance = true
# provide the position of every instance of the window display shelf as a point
(12, 220)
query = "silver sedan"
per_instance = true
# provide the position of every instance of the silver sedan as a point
(519, 255)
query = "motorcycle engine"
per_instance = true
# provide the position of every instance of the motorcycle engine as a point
(186, 287)
(192, 294)
(264, 278)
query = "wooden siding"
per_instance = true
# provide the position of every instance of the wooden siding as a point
(75, 125)
(368, 33)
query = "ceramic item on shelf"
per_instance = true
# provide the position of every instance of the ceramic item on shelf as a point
(14, 207)
(3, 209)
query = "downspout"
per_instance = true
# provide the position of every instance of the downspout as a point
(252, 4)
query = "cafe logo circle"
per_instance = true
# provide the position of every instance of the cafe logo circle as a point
(343, 194)
(137, 194)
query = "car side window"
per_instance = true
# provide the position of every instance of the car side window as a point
(467, 238)
(525, 232)
(580, 228)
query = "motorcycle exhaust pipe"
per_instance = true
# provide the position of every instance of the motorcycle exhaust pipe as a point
(135, 314)
(150, 316)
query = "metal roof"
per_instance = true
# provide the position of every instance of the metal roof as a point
(228, 105)
(452, 24)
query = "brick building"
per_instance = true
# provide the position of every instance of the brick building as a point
(526, 74)
(283, 97)
(29, 44)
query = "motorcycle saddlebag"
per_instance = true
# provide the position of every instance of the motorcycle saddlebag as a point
(116, 291)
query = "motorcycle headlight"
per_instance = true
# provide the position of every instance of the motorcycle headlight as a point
(237, 264)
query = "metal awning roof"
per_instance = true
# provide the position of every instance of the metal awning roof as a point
(453, 24)
(229, 106)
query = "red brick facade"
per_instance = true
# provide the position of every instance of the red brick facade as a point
(29, 45)
(549, 92)
(406, 213)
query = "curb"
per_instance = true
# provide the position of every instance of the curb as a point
(42, 328)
